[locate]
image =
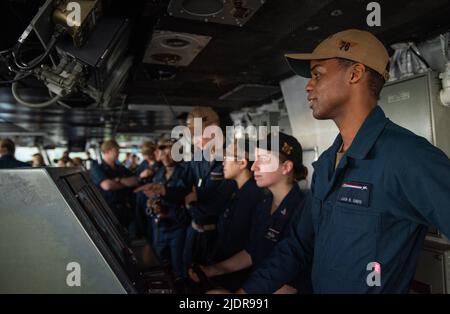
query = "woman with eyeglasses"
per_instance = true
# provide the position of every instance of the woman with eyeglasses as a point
(233, 225)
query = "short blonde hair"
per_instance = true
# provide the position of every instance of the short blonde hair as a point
(148, 148)
(108, 145)
(207, 114)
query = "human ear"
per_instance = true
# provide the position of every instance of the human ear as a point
(287, 167)
(243, 164)
(356, 72)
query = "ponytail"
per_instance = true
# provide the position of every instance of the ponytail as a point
(300, 174)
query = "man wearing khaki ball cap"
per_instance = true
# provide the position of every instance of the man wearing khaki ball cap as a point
(375, 190)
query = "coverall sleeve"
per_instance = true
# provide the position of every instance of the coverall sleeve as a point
(97, 174)
(178, 193)
(208, 210)
(421, 177)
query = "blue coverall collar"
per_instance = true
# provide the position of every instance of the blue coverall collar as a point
(248, 184)
(365, 138)
(288, 200)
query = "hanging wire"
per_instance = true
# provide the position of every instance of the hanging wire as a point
(29, 104)
(124, 99)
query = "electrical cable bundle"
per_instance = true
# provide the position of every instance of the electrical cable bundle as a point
(38, 61)
(23, 69)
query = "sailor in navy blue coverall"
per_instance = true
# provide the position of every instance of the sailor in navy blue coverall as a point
(169, 229)
(212, 192)
(233, 226)
(145, 173)
(375, 190)
(234, 222)
(267, 229)
(7, 159)
(115, 182)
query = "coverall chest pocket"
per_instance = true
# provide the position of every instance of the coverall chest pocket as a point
(353, 242)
